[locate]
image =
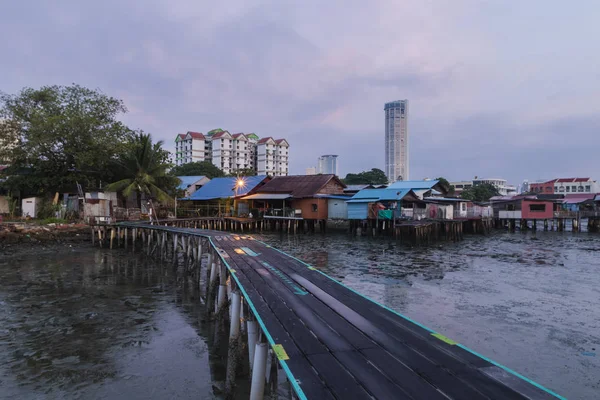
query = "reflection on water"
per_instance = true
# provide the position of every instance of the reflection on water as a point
(530, 300)
(101, 324)
(113, 325)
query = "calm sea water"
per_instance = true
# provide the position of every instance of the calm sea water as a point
(111, 325)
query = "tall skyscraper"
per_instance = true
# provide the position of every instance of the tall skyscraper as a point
(396, 140)
(328, 164)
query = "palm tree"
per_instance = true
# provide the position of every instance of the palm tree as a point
(144, 168)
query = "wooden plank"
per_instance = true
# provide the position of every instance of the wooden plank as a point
(337, 339)
(409, 347)
(303, 372)
(338, 379)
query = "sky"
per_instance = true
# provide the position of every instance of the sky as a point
(497, 88)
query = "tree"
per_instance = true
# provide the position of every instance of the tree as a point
(60, 135)
(143, 167)
(243, 172)
(444, 183)
(374, 177)
(482, 192)
(204, 168)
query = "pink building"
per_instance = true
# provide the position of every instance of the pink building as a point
(537, 209)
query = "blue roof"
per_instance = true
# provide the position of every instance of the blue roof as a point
(187, 181)
(220, 188)
(372, 195)
(332, 196)
(414, 185)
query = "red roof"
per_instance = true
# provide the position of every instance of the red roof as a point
(580, 195)
(237, 135)
(300, 186)
(196, 135)
(181, 136)
(264, 140)
(573, 180)
(219, 134)
(280, 140)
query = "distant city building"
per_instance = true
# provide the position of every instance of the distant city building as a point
(396, 140)
(503, 188)
(524, 187)
(565, 185)
(232, 153)
(311, 171)
(328, 164)
(460, 186)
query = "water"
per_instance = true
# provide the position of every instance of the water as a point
(528, 301)
(111, 325)
(103, 325)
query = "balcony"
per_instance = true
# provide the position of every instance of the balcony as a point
(509, 214)
(280, 213)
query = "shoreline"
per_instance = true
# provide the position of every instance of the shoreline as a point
(26, 239)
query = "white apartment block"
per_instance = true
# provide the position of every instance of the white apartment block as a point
(272, 157)
(235, 152)
(191, 147)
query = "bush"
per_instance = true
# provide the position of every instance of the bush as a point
(47, 209)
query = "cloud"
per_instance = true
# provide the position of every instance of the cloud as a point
(490, 84)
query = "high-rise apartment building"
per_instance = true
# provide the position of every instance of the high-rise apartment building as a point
(396, 140)
(272, 157)
(327, 164)
(235, 152)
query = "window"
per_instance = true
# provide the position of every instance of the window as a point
(548, 189)
(588, 188)
(537, 207)
(561, 189)
(314, 207)
(580, 189)
(568, 189)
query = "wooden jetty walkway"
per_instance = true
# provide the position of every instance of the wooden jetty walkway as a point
(330, 341)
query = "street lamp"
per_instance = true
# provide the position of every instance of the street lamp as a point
(240, 183)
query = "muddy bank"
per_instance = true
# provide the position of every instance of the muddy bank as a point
(26, 239)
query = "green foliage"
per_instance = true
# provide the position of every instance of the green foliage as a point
(444, 183)
(481, 192)
(61, 135)
(205, 168)
(12, 207)
(143, 170)
(243, 172)
(374, 177)
(47, 209)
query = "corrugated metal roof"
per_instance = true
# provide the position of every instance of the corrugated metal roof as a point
(220, 188)
(578, 198)
(446, 199)
(356, 188)
(333, 196)
(187, 181)
(299, 185)
(372, 195)
(267, 196)
(413, 185)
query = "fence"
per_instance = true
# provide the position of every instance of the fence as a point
(127, 214)
(281, 213)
